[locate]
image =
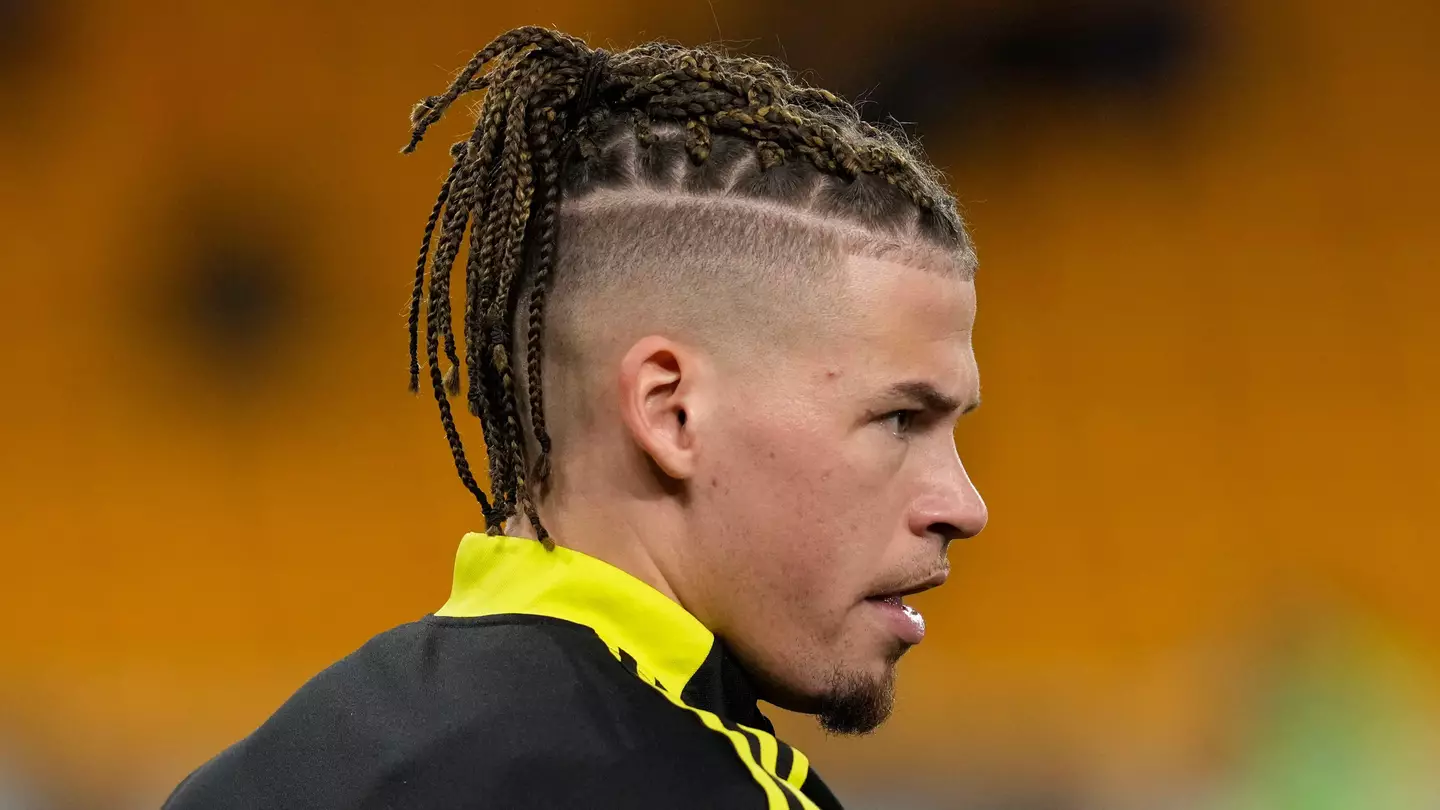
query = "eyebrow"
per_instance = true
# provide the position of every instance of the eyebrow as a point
(932, 398)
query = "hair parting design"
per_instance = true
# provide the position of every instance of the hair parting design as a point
(552, 107)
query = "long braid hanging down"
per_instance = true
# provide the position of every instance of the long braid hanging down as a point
(546, 95)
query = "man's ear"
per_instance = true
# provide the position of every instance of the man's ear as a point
(657, 399)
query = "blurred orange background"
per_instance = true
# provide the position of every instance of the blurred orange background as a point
(1207, 336)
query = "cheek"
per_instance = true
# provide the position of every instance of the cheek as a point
(812, 522)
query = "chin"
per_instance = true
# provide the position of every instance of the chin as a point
(850, 699)
(847, 694)
(857, 702)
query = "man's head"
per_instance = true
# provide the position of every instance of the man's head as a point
(714, 311)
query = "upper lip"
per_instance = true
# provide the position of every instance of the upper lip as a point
(913, 586)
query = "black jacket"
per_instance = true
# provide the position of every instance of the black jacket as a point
(550, 679)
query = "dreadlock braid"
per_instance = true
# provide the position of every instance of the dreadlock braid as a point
(546, 143)
(438, 309)
(559, 122)
(438, 322)
(430, 110)
(516, 163)
(486, 395)
(420, 274)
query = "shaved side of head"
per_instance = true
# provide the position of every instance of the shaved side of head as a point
(743, 277)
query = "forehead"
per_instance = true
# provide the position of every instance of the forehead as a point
(900, 293)
(892, 321)
(896, 306)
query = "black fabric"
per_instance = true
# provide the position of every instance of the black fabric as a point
(722, 686)
(818, 792)
(502, 711)
(784, 761)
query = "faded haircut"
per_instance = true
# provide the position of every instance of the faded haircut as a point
(657, 187)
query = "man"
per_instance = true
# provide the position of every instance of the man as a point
(717, 333)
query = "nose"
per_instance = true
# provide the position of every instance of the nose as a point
(951, 507)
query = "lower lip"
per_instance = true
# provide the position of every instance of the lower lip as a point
(906, 621)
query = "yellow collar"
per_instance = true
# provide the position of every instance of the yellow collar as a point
(498, 575)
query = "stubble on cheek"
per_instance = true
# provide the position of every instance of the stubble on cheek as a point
(800, 512)
(794, 611)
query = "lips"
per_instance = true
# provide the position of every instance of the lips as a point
(896, 593)
(905, 621)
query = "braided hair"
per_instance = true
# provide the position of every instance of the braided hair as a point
(561, 121)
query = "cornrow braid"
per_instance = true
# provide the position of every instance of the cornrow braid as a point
(415, 295)
(560, 121)
(548, 138)
(508, 214)
(485, 393)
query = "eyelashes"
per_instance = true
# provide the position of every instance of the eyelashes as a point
(902, 422)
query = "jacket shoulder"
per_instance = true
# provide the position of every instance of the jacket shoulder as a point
(521, 710)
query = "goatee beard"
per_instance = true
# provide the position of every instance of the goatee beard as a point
(855, 704)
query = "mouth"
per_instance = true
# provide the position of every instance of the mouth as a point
(904, 620)
(896, 594)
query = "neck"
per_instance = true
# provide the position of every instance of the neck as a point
(606, 536)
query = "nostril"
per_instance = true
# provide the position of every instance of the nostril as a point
(947, 532)
(963, 529)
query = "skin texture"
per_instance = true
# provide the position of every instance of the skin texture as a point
(771, 491)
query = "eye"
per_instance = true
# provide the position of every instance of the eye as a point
(901, 422)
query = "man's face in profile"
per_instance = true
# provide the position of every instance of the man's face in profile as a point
(832, 487)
